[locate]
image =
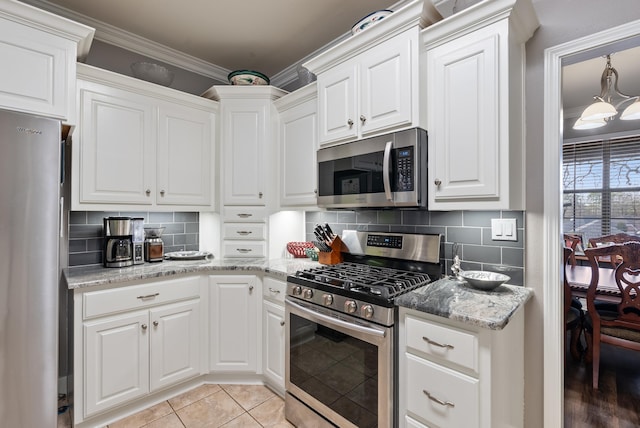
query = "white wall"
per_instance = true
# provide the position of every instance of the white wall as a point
(560, 21)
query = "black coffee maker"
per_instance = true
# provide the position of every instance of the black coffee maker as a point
(118, 244)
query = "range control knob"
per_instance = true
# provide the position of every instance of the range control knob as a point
(307, 293)
(350, 306)
(297, 290)
(367, 311)
(327, 299)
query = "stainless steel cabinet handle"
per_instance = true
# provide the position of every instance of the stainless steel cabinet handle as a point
(143, 326)
(244, 232)
(155, 323)
(437, 182)
(147, 192)
(244, 215)
(437, 400)
(434, 343)
(273, 290)
(350, 123)
(282, 323)
(148, 296)
(243, 250)
(363, 119)
(162, 193)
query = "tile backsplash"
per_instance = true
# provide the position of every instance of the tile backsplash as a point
(86, 236)
(471, 230)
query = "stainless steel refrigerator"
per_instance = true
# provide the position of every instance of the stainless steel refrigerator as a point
(29, 269)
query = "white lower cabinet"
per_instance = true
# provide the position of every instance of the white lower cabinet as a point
(134, 340)
(457, 375)
(233, 312)
(273, 332)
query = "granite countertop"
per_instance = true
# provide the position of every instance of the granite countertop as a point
(455, 300)
(448, 298)
(91, 276)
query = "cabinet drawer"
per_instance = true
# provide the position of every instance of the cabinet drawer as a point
(274, 289)
(244, 214)
(244, 231)
(441, 396)
(443, 342)
(245, 249)
(97, 303)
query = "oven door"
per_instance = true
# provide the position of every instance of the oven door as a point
(339, 366)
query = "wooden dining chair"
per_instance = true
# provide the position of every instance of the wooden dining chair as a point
(572, 241)
(617, 238)
(617, 323)
(573, 313)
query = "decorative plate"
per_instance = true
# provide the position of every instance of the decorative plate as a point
(187, 255)
(369, 20)
(247, 77)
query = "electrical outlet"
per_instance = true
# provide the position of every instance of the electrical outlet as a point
(504, 229)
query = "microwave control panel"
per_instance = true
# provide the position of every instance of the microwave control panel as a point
(404, 161)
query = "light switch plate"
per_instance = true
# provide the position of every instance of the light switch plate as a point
(504, 229)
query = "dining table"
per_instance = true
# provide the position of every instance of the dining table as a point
(579, 278)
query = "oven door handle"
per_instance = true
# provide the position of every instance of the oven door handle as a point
(318, 317)
(386, 170)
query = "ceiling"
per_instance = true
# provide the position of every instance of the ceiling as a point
(265, 36)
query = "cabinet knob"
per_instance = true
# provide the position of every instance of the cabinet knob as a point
(350, 123)
(282, 323)
(143, 326)
(155, 323)
(260, 194)
(437, 182)
(250, 288)
(148, 192)
(315, 191)
(363, 119)
(162, 193)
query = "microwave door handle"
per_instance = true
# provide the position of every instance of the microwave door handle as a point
(386, 170)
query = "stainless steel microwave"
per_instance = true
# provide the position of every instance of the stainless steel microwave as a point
(383, 171)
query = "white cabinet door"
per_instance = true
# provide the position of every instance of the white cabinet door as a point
(116, 147)
(464, 131)
(386, 73)
(273, 346)
(185, 140)
(116, 364)
(234, 314)
(298, 146)
(337, 103)
(244, 138)
(174, 343)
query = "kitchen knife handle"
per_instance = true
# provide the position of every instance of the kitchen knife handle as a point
(386, 170)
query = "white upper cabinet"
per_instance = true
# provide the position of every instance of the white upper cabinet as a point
(298, 143)
(369, 83)
(141, 145)
(248, 152)
(39, 52)
(475, 82)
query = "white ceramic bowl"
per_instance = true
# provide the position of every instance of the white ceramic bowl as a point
(369, 20)
(153, 73)
(484, 280)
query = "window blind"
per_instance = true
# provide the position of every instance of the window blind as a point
(601, 187)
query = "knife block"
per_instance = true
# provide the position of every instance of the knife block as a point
(334, 256)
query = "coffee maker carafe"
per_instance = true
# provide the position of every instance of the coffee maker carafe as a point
(118, 244)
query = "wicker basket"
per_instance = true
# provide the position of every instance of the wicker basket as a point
(297, 249)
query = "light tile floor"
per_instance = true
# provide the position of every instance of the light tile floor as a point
(209, 406)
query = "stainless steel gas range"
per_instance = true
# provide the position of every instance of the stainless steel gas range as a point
(340, 336)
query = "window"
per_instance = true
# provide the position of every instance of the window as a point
(601, 187)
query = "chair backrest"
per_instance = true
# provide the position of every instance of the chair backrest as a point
(618, 238)
(568, 254)
(627, 278)
(572, 241)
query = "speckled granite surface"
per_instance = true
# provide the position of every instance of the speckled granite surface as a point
(458, 301)
(97, 275)
(446, 298)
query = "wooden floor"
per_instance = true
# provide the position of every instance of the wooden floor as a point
(616, 404)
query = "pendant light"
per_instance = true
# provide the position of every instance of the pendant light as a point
(602, 110)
